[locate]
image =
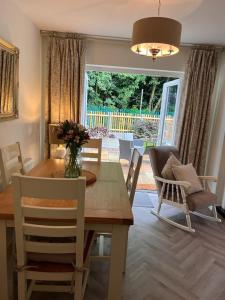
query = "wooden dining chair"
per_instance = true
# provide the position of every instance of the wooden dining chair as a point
(93, 144)
(133, 173)
(131, 184)
(10, 162)
(51, 242)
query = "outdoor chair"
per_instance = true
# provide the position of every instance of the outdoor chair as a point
(138, 143)
(174, 193)
(127, 147)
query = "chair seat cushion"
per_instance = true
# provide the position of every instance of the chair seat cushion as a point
(44, 262)
(200, 200)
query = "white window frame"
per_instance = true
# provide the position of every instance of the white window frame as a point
(166, 86)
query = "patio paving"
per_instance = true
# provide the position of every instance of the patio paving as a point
(110, 152)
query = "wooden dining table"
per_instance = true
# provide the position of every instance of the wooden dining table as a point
(107, 209)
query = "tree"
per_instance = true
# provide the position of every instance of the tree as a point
(123, 90)
(155, 81)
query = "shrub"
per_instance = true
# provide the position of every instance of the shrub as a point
(145, 129)
(98, 132)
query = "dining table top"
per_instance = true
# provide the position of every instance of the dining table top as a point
(106, 201)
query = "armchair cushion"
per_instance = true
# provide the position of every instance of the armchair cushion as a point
(188, 173)
(158, 157)
(201, 200)
(167, 171)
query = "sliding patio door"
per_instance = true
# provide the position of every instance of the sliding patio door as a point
(169, 112)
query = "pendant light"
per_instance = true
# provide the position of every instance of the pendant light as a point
(156, 36)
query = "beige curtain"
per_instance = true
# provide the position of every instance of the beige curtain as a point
(199, 84)
(7, 76)
(66, 69)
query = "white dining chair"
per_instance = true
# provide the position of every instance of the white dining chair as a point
(131, 184)
(51, 244)
(10, 162)
(92, 150)
(133, 174)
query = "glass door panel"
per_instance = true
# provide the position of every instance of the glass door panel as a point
(169, 112)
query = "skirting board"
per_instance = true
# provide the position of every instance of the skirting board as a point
(221, 211)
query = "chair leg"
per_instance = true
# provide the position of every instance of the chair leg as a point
(214, 218)
(101, 245)
(183, 227)
(78, 291)
(22, 286)
(188, 219)
(86, 274)
(30, 289)
(159, 206)
(215, 213)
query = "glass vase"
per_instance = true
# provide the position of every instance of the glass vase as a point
(73, 163)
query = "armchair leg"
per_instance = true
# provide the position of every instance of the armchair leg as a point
(214, 218)
(159, 206)
(215, 213)
(183, 227)
(188, 219)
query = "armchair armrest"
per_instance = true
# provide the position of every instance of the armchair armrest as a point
(184, 184)
(208, 178)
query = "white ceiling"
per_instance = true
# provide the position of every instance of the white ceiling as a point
(203, 20)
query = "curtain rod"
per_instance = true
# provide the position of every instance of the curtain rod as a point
(113, 38)
(8, 47)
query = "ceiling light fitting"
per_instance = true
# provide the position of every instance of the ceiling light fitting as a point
(156, 36)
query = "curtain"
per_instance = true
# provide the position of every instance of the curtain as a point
(199, 83)
(65, 88)
(7, 76)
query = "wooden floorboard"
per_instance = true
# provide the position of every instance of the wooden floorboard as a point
(165, 263)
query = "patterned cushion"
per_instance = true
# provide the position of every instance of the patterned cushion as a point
(188, 173)
(167, 171)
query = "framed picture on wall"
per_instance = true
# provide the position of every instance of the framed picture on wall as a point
(9, 80)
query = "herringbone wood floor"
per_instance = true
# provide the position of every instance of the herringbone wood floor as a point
(165, 263)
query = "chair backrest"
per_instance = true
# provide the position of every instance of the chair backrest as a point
(93, 144)
(128, 136)
(29, 219)
(133, 173)
(158, 158)
(139, 142)
(126, 148)
(10, 162)
(52, 135)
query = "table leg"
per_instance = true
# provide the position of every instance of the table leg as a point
(3, 262)
(125, 255)
(117, 261)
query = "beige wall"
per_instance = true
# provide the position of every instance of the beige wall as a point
(118, 54)
(18, 30)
